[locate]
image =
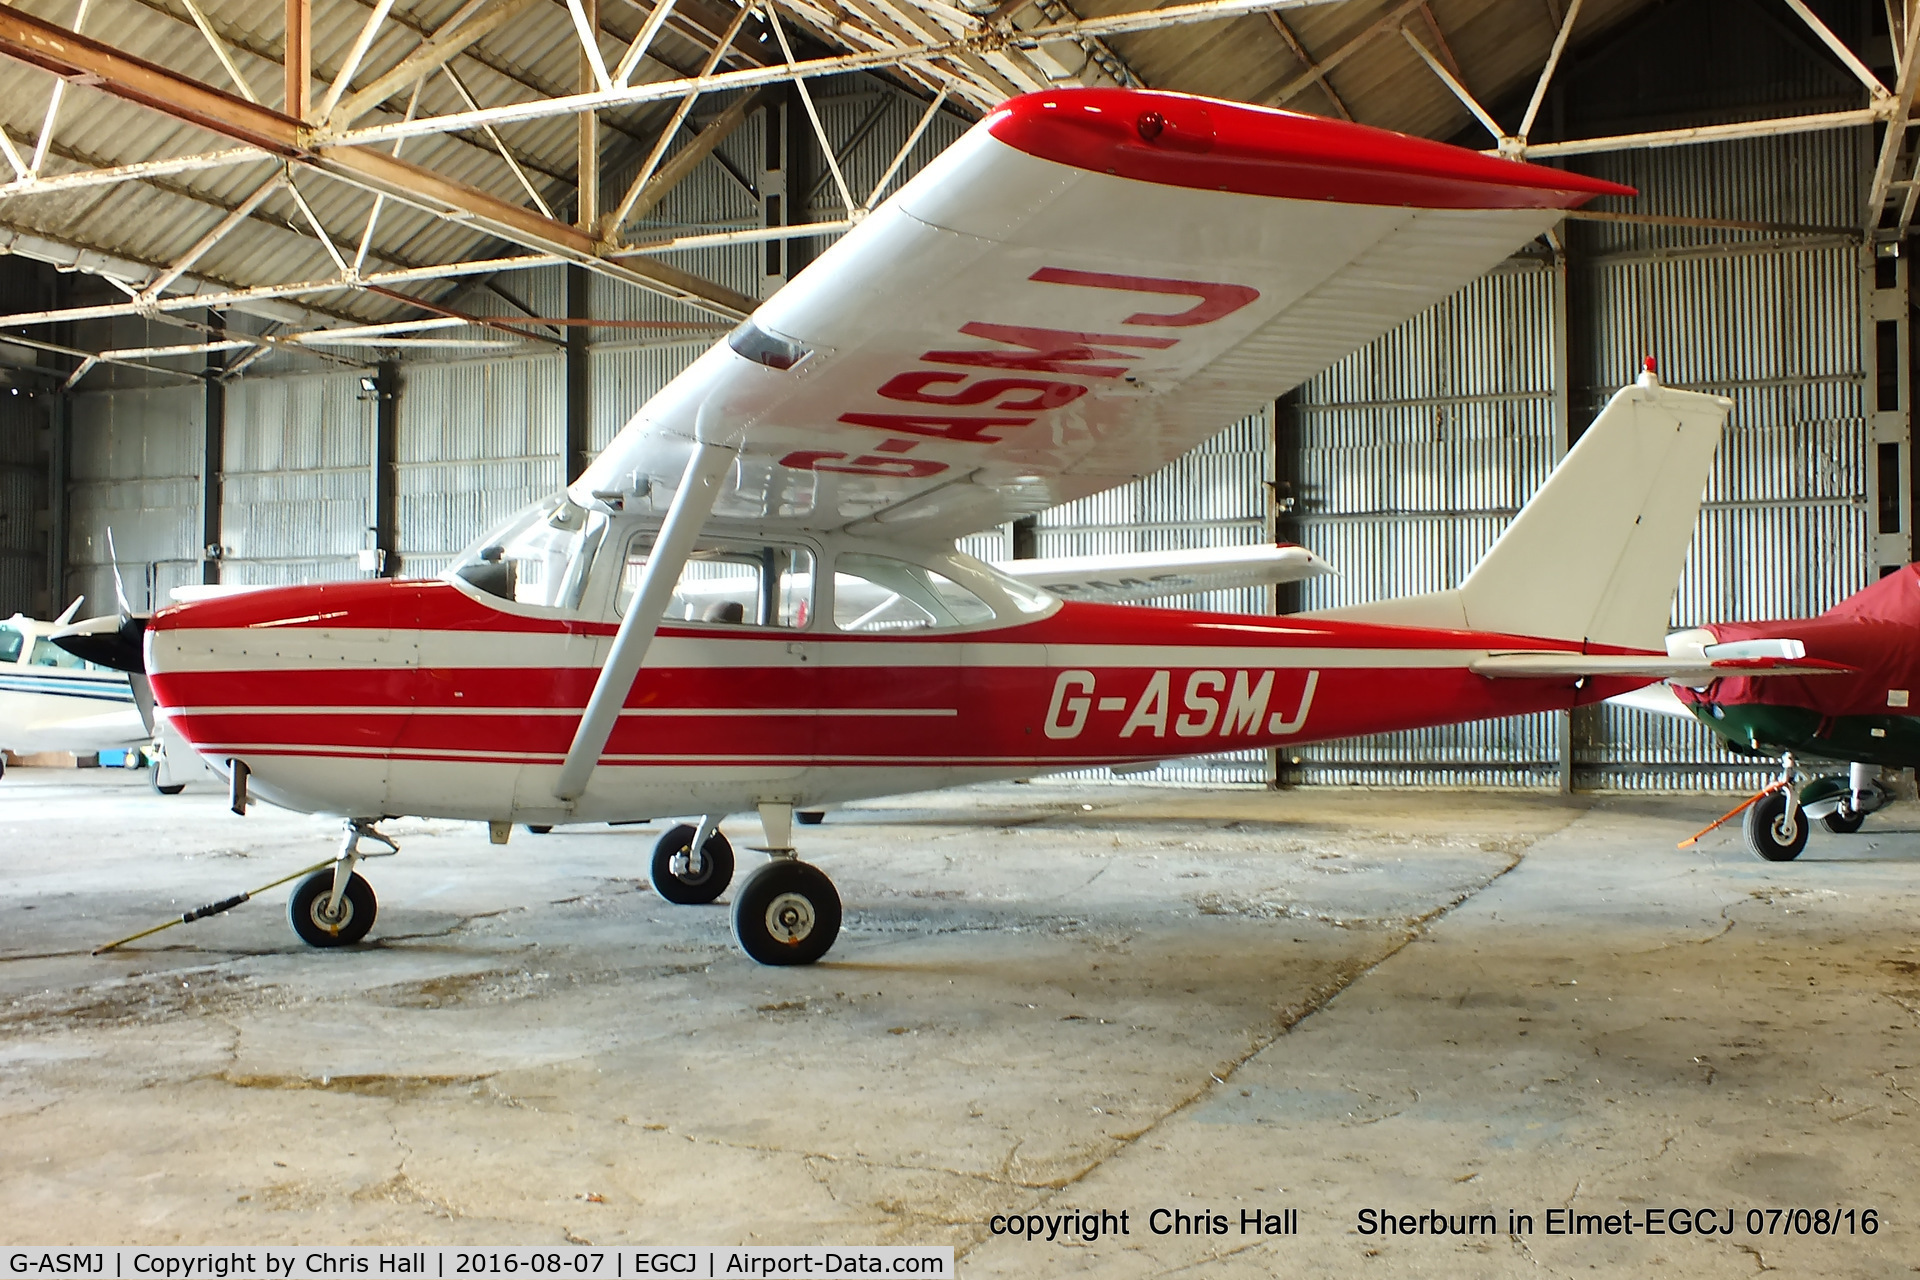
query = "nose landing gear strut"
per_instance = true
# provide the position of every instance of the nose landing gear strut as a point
(336, 907)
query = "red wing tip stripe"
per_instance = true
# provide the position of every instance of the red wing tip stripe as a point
(1178, 140)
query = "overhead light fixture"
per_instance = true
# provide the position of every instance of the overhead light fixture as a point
(367, 383)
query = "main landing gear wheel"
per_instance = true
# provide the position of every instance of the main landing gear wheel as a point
(1769, 831)
(1844, 821)
(676, 880)
(307, 911)
(153, 780)
(787, 912)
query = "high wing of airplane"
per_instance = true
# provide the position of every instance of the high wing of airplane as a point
(1861, 711)
(751, 600)
(51, 700)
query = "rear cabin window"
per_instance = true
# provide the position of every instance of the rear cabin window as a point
(11, 642)
(878, 593)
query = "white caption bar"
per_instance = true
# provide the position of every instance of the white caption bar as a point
(575, 1262)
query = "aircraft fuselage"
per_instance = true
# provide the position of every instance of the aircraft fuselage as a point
(433, 699)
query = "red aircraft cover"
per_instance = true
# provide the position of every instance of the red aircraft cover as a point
(1876, 631)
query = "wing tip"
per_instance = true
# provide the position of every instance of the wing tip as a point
(1175, 139)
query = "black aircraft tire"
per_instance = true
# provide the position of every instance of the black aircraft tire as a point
(540, 828)
(1843, 822)
(153, 779)
(1763, 821)
(309, 901)
(811, 817)
(787, 912)
(693, 891)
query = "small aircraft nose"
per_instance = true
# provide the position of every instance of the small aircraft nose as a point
(115, 640)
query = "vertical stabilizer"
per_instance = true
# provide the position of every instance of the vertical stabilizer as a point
(1595, 555)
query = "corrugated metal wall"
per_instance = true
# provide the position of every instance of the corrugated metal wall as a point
(1413, 453)
(478, 440)
(136, 472)
(23, 489)
(1774, 325)
(1410, 457)
(296, 505)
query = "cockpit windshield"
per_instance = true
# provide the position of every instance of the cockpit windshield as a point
(541, 556)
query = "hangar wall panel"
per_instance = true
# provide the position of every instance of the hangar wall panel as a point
(136, 472)
(1411, 456)
(478, 440)
(1774, 324)
(296, 504)
(1413, 453)
(23, 488)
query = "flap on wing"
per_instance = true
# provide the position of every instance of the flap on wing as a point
(1087, 285)
(1651, 666)
(1148, 575)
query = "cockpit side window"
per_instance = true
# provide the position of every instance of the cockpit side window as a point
(11, 642)
(48, 654)
(730, 584)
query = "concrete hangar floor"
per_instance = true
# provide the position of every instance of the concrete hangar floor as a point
(1048, 1000)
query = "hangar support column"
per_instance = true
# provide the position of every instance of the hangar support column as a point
(386, 468)
(579, 374)
(213, 463)
(1886, 336)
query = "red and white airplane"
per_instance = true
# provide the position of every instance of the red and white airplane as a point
(751, 600)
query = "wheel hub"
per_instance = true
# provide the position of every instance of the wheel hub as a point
(790, 918)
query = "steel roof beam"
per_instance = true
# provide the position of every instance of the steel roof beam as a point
(1299, 51)
(447, 43)
(990, 42)
(72, 57)
(1317, 72)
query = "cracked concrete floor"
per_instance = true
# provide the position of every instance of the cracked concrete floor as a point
(1046, 998)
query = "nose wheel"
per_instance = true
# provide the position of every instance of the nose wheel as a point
(336, 907)
(310, 913)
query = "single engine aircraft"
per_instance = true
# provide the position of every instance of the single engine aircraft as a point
(51, 700)
(1862, 713)
(751, 601)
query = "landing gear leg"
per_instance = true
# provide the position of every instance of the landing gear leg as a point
(336, 908)
(1775, 827)
(787, 912)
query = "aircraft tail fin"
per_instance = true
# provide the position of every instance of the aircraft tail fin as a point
(1595, 554)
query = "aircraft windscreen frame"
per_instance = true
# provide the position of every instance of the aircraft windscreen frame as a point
(556, 538)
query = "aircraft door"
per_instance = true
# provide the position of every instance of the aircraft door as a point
(729, 693)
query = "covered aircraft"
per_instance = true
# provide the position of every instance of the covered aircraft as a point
(751, 601)
(1863, 714)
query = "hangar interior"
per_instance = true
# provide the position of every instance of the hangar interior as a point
(232, 355)
(285, 432)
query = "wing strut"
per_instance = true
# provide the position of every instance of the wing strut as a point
(692, 503)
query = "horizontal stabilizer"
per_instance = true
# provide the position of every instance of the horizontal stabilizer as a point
(1649, 666)
(1149, 574)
